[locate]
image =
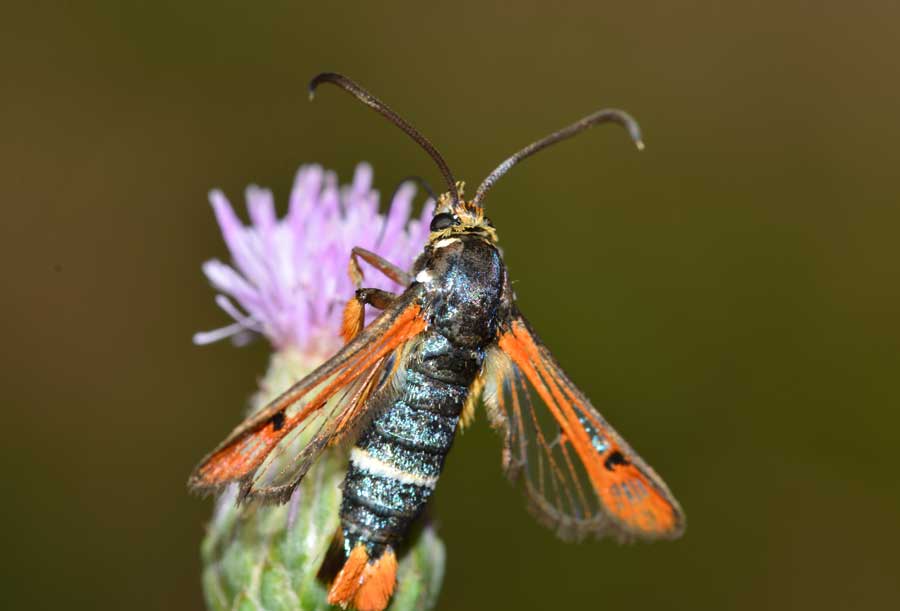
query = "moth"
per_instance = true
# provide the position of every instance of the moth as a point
(401, 387)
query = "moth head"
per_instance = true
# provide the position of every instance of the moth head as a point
(453, 218)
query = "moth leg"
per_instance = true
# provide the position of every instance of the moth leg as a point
(378, 262)
(376, 298)
(355, 310)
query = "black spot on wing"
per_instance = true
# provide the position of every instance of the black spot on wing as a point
(614, 460)
(277, 421)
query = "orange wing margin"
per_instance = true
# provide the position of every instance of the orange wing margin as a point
(238, 458)
(633, 499)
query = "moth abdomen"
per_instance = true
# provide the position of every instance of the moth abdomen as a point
(396, 462)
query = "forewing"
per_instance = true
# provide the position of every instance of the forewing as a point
(318, 411)
(580, 476)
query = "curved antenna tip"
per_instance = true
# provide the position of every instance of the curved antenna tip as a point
(317, 80)
(639, 144)
(311, 88)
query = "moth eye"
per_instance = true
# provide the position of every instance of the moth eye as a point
(442, 221)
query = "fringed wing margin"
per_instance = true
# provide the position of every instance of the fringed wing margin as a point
(580, 477)
(270, 452)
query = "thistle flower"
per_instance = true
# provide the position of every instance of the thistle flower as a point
(288, 281)
(289, 276)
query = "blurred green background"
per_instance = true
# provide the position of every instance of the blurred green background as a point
(728, 298)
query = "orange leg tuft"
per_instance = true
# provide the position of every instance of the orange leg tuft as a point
(353, 319)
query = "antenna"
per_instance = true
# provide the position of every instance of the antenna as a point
(380, 107)
(601, 116)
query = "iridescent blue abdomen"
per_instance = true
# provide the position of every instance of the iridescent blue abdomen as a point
(398, 457)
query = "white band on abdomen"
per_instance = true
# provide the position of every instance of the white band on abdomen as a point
(368, 463)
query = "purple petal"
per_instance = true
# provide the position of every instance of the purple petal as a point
(290, 275)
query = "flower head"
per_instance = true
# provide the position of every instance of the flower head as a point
(288, 277)
(288, 280)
